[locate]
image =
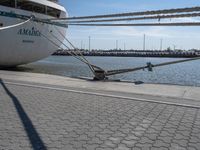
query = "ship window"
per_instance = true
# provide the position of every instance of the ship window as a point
(31, 6)
(53, 12)
(8, 3)
(39, 8)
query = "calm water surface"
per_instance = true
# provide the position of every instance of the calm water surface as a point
(182, 74)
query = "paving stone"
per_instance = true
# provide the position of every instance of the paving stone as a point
(166, 139)
(110, 144)
(34, 118)
(122, 147)
(115, 140)
(144, 146)
(161, 148)
(132, 137)
(181, 142)
(130, 143)
(191, 148)
(160, 143)
(175, 146)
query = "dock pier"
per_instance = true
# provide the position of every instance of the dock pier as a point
(40, 111)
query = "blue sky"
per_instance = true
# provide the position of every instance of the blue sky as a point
(132, 37)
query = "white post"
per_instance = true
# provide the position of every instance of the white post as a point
(89, 43)
(116, 44)
(144, 43)
(161, 44)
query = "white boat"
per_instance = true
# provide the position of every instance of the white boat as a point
(24, 43)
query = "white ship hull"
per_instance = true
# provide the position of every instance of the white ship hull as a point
(24, 44)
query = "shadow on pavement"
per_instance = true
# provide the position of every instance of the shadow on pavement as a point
(32, 134)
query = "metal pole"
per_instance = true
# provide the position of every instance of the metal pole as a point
(81, 44)
(174, 47)
(144, 43)
(89, 42)
(116, 44)
(161, 44)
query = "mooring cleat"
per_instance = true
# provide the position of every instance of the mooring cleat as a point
(99, 75)
(150, 66)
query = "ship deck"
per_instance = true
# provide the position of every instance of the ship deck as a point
(39, 111)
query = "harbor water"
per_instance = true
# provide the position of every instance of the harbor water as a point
(181, 74)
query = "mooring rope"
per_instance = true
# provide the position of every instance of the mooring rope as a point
(79, 52)
(149, 66)
(159, 17)
(82, 59)
(137, 24)
(101, 74)
(70, 52)
(15, 25)
(154, 12)
(92, 66)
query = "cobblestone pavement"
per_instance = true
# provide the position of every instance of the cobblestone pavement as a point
(34, 118)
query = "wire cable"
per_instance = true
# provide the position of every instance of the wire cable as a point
(15, 25)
